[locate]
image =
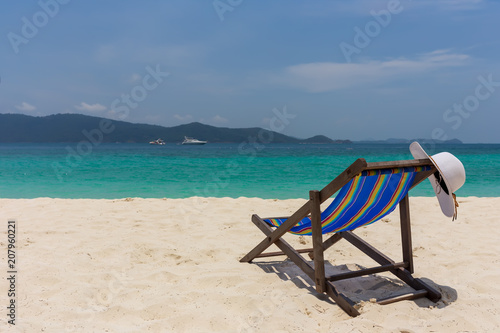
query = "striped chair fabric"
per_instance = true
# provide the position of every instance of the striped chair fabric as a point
(368, 197)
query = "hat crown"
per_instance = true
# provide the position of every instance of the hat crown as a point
(451, 175)
(451, 169)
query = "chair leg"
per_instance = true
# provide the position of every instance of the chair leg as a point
(328, 243)
(342, 300)
(317, 238)
(382, 259)
(277, 233)
(404, 214)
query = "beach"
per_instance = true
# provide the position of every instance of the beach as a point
(172, 265)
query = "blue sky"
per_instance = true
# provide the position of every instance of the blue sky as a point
(347, 69)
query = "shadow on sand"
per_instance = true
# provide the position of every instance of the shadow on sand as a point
(365, 288)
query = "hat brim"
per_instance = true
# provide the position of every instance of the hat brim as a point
(446, 201)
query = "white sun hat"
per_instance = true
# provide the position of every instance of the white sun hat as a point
(448, 179)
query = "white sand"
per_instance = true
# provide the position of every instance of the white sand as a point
(152, 265)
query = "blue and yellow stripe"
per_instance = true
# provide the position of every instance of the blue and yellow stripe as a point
(368, 197)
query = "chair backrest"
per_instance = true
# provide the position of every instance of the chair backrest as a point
(366, 198)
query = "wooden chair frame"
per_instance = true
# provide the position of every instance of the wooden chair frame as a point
(324, 284)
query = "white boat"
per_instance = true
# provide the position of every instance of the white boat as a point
(157, 142)
(192, 141)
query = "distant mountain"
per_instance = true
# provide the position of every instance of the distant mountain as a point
(324, 139)
(407, 141)
(77, 127)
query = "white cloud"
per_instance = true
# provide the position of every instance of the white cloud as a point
(90, 107)
(187, 117)
(171, 55)
(25, 107)
(219, 120)
(454, 4)
(343, 8)
(365, 7)
(105, 53)
(134, 78)
(329, 76)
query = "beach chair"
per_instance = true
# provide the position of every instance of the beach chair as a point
(367, 193)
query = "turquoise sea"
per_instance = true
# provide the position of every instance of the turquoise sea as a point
(281, 171)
